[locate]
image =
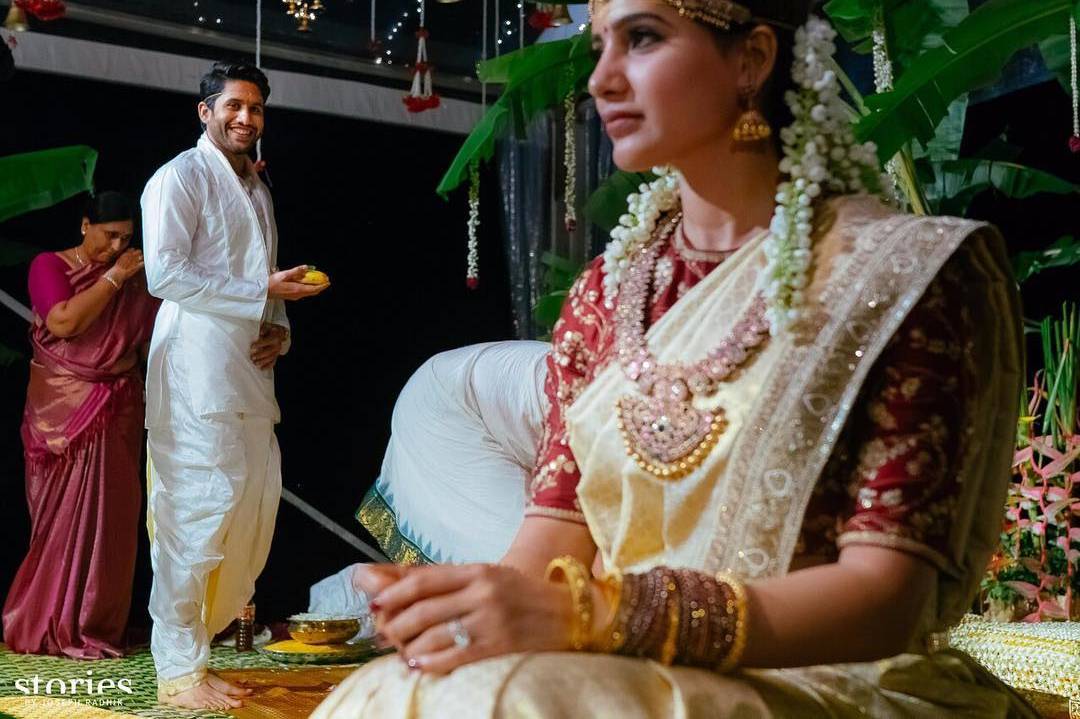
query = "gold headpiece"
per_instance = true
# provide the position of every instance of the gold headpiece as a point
(723, 14)
(718, 13)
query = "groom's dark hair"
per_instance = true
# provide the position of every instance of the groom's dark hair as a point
(213, 82)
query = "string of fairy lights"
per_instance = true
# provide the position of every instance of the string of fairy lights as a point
(502, 34)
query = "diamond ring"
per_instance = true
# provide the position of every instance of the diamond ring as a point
(459, 633)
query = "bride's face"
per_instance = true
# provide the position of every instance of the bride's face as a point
(663, 87)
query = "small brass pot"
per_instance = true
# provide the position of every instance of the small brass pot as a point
(323, 631)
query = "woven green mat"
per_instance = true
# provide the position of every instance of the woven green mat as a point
(137, 669)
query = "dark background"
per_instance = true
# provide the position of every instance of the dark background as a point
(356, 198)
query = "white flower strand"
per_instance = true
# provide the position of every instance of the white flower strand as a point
(472, 273)
(636, 228)
(821, 157)
(883, 82)
(1074, 85)
(570, 161)
(883, 72)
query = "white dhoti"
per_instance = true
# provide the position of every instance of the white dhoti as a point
(215, 469)
(215, 483)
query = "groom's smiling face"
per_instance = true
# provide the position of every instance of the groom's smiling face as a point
(234, 119)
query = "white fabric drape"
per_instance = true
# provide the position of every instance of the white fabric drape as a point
(465, 432)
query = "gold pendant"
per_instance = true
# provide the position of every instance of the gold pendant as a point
(667, 438)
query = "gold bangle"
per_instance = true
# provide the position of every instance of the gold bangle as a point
(604, 640)
(111, 281)
(570, 570)
(736, 607)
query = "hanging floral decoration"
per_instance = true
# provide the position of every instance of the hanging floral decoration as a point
(421, 97)
(472, 274)
(570, 161)
(1074, 141)
(44, 10)
(540, 18)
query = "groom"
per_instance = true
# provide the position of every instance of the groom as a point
(215, 469)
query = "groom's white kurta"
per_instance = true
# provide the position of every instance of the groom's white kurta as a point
(215, 475)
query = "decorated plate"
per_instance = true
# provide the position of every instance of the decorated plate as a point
(294, 652)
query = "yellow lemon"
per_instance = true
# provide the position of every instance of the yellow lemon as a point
(315, 277)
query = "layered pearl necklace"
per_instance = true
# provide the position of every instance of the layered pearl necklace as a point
(662, 430)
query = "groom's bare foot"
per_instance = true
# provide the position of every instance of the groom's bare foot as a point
(225, 687)
(202, 696)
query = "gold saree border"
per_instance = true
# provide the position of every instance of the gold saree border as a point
(873, 268)
(378, 518)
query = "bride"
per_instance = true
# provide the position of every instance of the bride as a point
(780, 425)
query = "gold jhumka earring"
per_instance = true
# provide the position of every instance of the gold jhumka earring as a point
(751, 125)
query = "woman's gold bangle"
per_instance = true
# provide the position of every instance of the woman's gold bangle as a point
(605, 640)
(736, 607)
(570, 570)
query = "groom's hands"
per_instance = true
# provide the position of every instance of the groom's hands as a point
(286, 285)
(266, 349)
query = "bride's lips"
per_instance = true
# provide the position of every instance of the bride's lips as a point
(620, 123)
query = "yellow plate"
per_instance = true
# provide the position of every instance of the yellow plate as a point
(294, 652)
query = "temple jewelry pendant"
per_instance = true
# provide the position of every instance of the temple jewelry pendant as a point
(667, 438)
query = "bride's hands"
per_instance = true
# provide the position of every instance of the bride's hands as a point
(500, 610)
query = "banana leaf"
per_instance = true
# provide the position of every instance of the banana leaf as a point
(535, 78)
(559, 278)
(1063, 253)
(951, 186)
(608, 202)
(949, 134)
(33, 180)
(561, 272)
(973, 55)
(911, 26)
(1055, 55)
(548, 308)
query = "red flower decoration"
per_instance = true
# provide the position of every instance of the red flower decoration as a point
(1074, 143)
(472, 282)
(422, 32)
(374, 48)
(44, 10)
(416, 103)
(540, 20)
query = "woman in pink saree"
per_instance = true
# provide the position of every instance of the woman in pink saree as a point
(82, 437)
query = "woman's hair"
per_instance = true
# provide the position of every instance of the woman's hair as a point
(109, 207)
